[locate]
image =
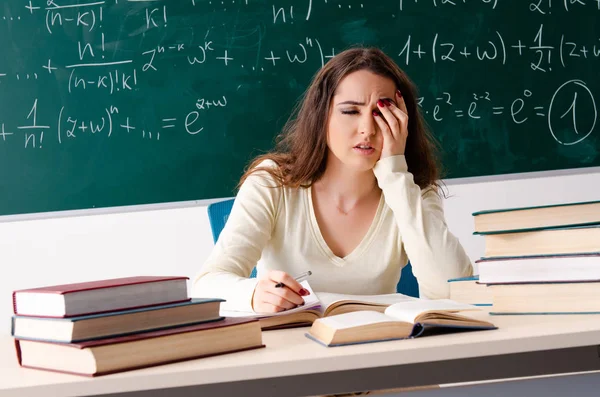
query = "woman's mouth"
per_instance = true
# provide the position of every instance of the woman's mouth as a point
(364, 149)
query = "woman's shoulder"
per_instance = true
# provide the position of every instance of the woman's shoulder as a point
(266, 171)
(267, 163)
(264, 183)
(269, 173)
(431, 190)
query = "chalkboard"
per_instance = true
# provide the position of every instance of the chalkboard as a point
(112, 102)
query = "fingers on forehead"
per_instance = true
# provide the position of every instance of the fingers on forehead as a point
(402, 105)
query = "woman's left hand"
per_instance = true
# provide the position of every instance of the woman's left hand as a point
(393, 125)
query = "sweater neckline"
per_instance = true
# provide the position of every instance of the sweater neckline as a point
(318, 236)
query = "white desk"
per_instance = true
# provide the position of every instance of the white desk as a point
(291, 364)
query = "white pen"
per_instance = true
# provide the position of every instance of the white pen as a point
(299, 278)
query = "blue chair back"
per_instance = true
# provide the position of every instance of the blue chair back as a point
(219, 212)
(217, 215)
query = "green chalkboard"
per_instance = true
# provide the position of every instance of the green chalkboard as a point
(112, 103)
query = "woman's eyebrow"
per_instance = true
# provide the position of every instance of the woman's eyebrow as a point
(351, 103)
(362, 103)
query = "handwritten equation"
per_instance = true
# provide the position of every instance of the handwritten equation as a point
(539, 51)
(109, 121)
(576, 92)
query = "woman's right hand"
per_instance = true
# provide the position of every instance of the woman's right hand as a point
(268, 299)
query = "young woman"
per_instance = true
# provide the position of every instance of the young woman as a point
(350, 193)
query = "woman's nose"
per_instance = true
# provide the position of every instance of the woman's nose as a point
(368, 125)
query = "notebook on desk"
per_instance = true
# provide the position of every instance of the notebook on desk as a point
(318, 305)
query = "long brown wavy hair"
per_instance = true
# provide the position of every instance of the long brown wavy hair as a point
(301, 149)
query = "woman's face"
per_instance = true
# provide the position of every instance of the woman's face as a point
(353, 136)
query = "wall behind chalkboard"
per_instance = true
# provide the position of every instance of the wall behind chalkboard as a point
(116, 102)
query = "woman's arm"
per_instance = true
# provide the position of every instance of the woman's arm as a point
(239, 247)
(435, 254)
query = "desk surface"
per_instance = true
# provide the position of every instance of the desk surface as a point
(290, 353)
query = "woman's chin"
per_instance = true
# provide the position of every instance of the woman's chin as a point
(363, 165)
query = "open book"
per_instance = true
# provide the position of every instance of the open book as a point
(402, 320)
(318, 305)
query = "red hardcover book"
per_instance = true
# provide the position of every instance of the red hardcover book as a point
(123, 353)
(99, 296)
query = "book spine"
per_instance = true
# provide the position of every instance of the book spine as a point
(14, 301)
(18, 350)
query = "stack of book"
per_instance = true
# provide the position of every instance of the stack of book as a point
(106, 326)
(541, 260)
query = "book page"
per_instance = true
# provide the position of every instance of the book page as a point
(409, 310)
(310, 302)
(327, 299)
(355, 319)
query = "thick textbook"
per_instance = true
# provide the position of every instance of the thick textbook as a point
(572, 240)
(99, 296)
(104, 356)
(538, 217)
(539, 268)
(546, 298)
